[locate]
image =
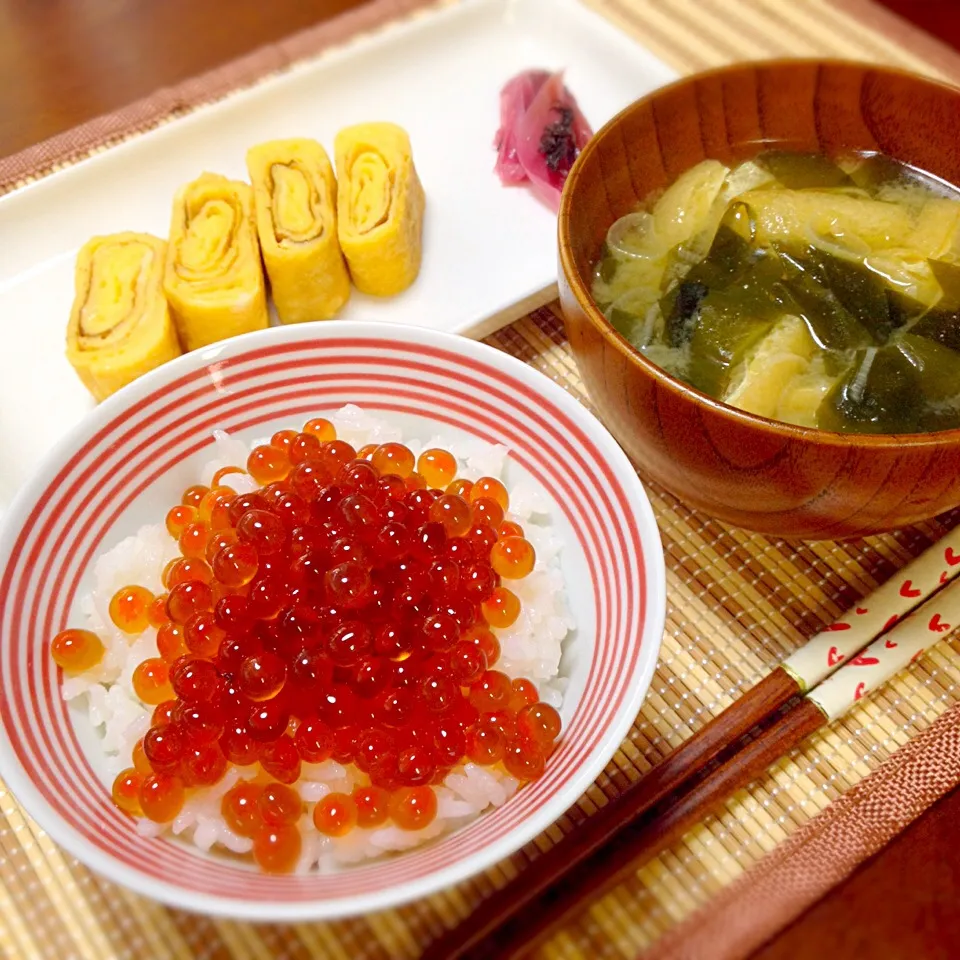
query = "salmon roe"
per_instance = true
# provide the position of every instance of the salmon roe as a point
(268, 463)
(76, 650)
(501, 608)
(437, 467)
(512, 557)
(126, 791)
(239, 808)
(393, 458)
(322, 429)
(345, 609)
(373, 806)
(335, 815)
(413, 808)
(491, 488)
(130, 608)
(161, 797)
(179, 518)
(276, 848)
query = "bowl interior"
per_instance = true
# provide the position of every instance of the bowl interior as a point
(733, 113)
(134, 455)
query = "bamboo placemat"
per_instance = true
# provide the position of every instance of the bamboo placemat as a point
(737, 604)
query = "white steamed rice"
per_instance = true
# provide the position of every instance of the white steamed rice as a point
(530, 648)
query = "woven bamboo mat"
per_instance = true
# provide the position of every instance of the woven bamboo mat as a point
(737, 604)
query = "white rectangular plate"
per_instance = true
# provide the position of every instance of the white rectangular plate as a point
(489, 251)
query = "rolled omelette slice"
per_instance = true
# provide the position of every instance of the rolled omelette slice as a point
(380, 204)
(120, 325)
(214, 280)
(295, 193)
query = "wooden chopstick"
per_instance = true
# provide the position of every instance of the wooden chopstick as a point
(575, 850)
(639, 839)
(654, 811)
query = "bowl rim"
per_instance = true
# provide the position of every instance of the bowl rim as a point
(572, 277)
(654, 578)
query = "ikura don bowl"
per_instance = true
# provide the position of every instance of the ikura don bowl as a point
(127, 461)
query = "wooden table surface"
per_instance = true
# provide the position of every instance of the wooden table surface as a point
(65, 61)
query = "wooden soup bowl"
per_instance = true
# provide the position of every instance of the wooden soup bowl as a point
(747, 470)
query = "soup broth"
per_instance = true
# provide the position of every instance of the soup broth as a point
(820, 292)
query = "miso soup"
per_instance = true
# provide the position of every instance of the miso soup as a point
(819, 292)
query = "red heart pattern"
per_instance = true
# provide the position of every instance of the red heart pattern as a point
(937, 625)
(858, 693)
(834, 627)
(909, 590)
(862, 610)
(862, 660)
(834, 656)
(944, 577)
(889, 644)
(890, 622)
(952, 558)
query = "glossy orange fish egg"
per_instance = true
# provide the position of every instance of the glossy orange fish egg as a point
(161, 797)
(171, 643)
(492, 488)
(283, 440)
(276, 847)
(487, 511)
(509, 529)
(460, 488)
(126, 791)
(393, 458)
(193, 495)
(367, 451)
(524, 694)
(201, 635)
(140, 762)
(75, 651)
(151, 681)
(413, 808)
(491, 692)
(267, 464)
(373, 806)
(539, 722)
(513, 558)
(184, 569)
(187, 599)
(129, 609)
(485, 745)
(279, 803)
(157, 611)
(524, 759)
(236, 565)
(218, 541)
(179, 517)
(322, 429)
(193, 540)
(335, 815)
(214, 510)
(239, 808)
(501, 608)
(485, 641)
(437, 467)
(453, 513)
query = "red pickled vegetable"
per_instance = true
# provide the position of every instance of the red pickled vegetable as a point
(542, 132)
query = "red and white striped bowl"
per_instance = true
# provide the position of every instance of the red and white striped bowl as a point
(140, 448)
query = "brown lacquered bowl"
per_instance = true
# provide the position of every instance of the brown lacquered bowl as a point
(744, 469)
